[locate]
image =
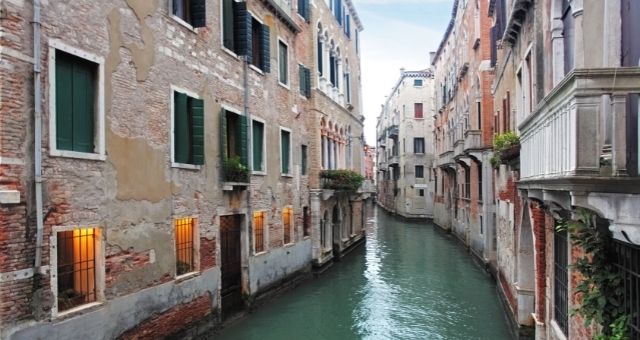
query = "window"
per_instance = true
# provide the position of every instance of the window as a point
(258, 146)
(417, 82)
(337, 10)
(303, 9)
(417, 110)
(303, 160)
(479, 164)
(347, 25)
(77, 279)
(192, 12)
(479, 115)
(357, 42)
(185, 262)
(305, 81)
(467, 182)
(561, 280)
(76, 104)
(258, 232)
(306, 222)
(347, 86)
(568, 33)
(320, 53)
(285, 152)
(626, 260)
(234, 145)
(421, 192)
(419, 171)
(188, 129)
(236, 27)
(287, 221)
(260, 46)
(418, 145)
(283, 63)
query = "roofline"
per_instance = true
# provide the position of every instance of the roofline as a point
(452, 22)
(354, 14)
(427, 73)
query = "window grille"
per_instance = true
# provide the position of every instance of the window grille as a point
(286, 221)
(258, 231)
(184, 245)
(627, 261)
(561, 280)
(76, 268)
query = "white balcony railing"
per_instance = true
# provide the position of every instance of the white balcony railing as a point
(580, 128)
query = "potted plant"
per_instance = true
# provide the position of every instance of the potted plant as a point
(341, 180)
(235, 171)
(506, 147)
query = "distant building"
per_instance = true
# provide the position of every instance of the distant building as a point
(369, 162)
(405, 147)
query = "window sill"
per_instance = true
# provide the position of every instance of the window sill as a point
(183, 23)
(78, 155)
(259, 173)
(289, 245)
(185, 166)
(284, 85)
(76, 310)
(286, 175)
(262, 253)
(231, 53)
(255, 68)
(418, 118)
(187, 276)
(304, 238)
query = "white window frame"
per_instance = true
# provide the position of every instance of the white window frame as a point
(292, 220)
(196, 246)
(265, 233)
(264, 146)
(172, 132)
(99, 268)
(290, 173)
(99, 134)
(179, 19)
(286, 85)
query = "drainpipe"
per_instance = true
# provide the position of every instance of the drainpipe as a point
(38, 134)
(245, 63)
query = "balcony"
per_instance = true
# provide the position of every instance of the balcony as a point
(579, 131)
(458, 147)
(394, 160)
(445, 158)
(393, 131)
(472, 140)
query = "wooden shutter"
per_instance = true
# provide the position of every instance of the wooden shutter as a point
(285, 140)
(258, 140)
(64, 102)
(242, 29)
(303, 161)
(283, 63)
(181, 137)
(223, 135)
(266, 49)
(243, 149)
(197, 128)
(302, 78)
(83, 105)
(307, 82)
(198, 11)
(228, 10)
(347, 25)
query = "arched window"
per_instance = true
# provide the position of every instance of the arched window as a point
(320, 50)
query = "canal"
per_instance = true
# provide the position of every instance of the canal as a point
(410, 281)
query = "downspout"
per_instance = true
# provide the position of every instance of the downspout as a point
(37, 64)
(245, 64)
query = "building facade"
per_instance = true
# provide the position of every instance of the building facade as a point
(158, 167)
(464, 129)
(405, 147)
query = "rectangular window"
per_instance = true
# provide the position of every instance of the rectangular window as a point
(234, 150)
(418, 145)
(467, 182)
(479, 115)
(184, 245)
(561, 280)
(357, 42)
(421, 192)
(258, 231)
(303, 160)
(479, 181)
(303, 9)
(419, 171)
(258, 146)
(76, 256)
(260, 44)
(417, 110)
(287, 221)
(306, 221)
(236, 27)
(417, 82)
(188, 129)
(347, 25)
(305, 80)
(283, 63)
(75, 103)
(192, 12)
(285, 152)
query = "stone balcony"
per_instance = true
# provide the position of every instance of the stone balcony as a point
(580, 133)
(458, 148)
(393, 131)
(473, 140)
(394, 160)
(445, 158)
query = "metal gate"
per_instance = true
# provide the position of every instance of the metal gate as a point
(627, 261)
(231, 264)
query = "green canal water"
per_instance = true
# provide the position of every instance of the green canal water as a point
(409, 281)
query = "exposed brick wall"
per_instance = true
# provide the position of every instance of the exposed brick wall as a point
(207, 253)
(168, 322)
(539, 240)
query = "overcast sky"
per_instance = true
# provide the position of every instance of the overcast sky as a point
(397, 33)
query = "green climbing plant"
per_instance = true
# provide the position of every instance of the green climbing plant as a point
(601, 286)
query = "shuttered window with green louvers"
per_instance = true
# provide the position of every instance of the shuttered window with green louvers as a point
(75, 103)
(285, 152)
(234, 137)
(283, 63)
(257, 129)
(260, 46)
(236, 28)
(304, 9)
(303, 160)
(188, 129)
(193, 12)
(305, 81)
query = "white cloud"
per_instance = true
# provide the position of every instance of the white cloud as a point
(388, 45)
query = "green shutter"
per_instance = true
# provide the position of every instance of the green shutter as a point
(227, 24)
(244, 140)
(223, 141)
(197, 137)
(304, 160)
(301, 80)
(198, 9)
(285, 138)
(83, 106)
(282, 62)
(181, 135)
(266, 49)
(307, 82)
(64, 105)
(241, 29)
(258, 140)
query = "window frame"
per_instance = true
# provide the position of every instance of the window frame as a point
(178, 19)
(286, 85)
(264, 146)
(195, 230)
(292, 226)
(415, 145)
(290, 173)
(99, 113)
(99, 256)
(172, 132)
(265, 232)
(415, 110)
(416, 167)
(256, 68)
(416, 80)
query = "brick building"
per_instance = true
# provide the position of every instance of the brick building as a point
(169, 176)
(405, 146)
(464, 128)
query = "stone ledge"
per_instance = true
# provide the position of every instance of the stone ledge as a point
(9, 197)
